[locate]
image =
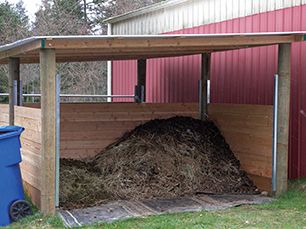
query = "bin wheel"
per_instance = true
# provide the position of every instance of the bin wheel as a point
(20, 209)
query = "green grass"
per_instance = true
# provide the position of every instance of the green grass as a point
(288, 211)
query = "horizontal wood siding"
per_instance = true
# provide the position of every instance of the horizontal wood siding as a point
(86, 129)
(30, 119)
(248, 131)
(4, 115)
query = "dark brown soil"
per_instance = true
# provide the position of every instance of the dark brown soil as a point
(161, 158)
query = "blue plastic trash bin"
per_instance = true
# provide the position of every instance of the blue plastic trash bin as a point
(12, 203)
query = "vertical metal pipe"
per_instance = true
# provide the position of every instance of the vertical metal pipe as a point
(200, 93)
(200, 99)
(15, 89)
(109, 69)
(274, 146)
(33, 91)
(20, 94)
(208, 91)
(109, 80)
(141, 78)
(57, 158)
(205, 72)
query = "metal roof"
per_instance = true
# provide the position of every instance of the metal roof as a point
(96, 48)
(144, 10)
(177, 15)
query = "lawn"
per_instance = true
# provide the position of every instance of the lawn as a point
(288, 211)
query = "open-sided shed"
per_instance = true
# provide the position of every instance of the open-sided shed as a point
(43, 124)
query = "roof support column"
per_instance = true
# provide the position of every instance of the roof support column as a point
(140, 92)
(48, 129)
(284, 54)
(14, 87)
(205, 71)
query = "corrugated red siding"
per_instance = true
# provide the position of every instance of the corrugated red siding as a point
(243, 76)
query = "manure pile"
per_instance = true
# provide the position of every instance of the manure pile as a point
(161, 158)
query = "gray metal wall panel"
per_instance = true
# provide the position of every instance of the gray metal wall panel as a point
(195, 13)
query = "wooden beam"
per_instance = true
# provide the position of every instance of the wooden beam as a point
(98, 48)
(141, 80)
(205, 71)
(169, 41)
(48, 131)
(284, 54)
(21, 49)
(14, 75)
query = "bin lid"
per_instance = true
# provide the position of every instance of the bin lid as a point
(10, 131)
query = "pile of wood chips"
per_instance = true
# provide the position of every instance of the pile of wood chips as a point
(162, 158)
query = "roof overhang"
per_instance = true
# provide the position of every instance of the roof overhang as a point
(98, 48)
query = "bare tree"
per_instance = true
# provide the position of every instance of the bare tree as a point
(14, 25)
(65, 17)
(57, 17)
(123, 6)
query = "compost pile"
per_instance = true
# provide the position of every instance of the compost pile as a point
(161, 158)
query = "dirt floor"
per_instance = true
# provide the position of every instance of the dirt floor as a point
(174, 157)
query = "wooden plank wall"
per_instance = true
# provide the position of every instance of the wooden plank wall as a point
(86, 129)
(248, 131)
(4, 114)
(30, 119)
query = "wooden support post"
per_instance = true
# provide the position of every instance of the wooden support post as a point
(48, 129)
(141, 80)
(14, 76)
(284, 55)
(205, 71)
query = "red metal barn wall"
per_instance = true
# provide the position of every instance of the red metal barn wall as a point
(243, 76)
